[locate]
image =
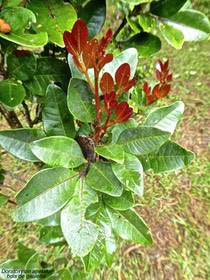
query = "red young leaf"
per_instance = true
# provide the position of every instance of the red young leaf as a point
(129, 85)
(122, 75)
(146, 88)
(169, 78)
(80, 33)
(70, 42)
(110, 101)
(106, 83)
(88, 54)
(104, 42)
(104, 59)
(123, 112)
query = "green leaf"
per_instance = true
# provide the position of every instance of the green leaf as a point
(17, 142)
(22, 67)
(49, 70)
(80, 100)
(145, 43)
(45, 194)
(166, 118)
(53, 220)
(124, 202)
(94, 14)
(58, 151)
(136, 2)
(51, 235)
(81, 234)
(130, 226)
(142, 140)
(53, 17)
(55, 114)
(12, 93)
(97, 213)
(193, 24)
(147, 22)
(10, 3)
(169, 157)
(166, 8)
(111, 247)
(129, 56)
(3, 198)
(120, 127)
(130, 173)
(27, 259)
(20, 19)
(111, 151)
(172, 35)
(101, 177)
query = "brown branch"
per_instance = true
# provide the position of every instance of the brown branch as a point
(27, 114)
(38, 114)
(11, 118)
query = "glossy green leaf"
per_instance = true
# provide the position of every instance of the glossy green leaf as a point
(58, 151)
(49, 70)
(53, 220)
(94, 14)
(45, 194)
(166, 8)
(19, 19)
(130, 173)
(142, 140)
(81, 234)
(53, 17)
(118, 129)
(133, 25)
(147, 22)
(101, 177)
(80, 100)
(97, 213)
(124, 202)
(22, 67)
(136, 2)
(130, 226)
(129, 56)
(51, 235)
(3, 198)
(166, 118)
(145, 43)
(111, 248)
(193, 24)
(17, 142)
(172, 35)
(12, 93)
(10, 3)
(56, 117)
(169, 157)
(24, 256)
(111, 151)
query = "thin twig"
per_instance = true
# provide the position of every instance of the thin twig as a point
(27, 114)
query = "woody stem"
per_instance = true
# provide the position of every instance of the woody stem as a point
(97, 101)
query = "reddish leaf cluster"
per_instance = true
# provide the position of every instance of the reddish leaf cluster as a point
(123, 84)
(92, 54)
(161, 89)
(87, 54)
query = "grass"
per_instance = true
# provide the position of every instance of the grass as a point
(175, 205)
